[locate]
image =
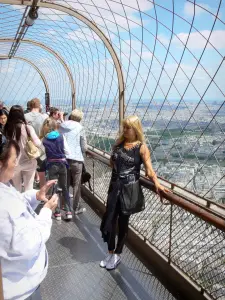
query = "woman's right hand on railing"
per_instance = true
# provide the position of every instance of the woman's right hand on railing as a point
(52, 203)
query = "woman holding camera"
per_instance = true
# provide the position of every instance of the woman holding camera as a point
(23, 233)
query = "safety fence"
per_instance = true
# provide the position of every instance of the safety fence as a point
(188, 235)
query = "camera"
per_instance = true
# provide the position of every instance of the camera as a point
(55, 189)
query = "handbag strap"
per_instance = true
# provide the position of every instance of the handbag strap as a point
(83, 168)
(28, 132)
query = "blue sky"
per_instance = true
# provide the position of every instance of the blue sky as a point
(147, 77)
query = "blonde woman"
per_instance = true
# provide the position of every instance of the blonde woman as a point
(56, 149)
(129, 152)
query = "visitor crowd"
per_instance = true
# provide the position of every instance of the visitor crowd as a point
(47, 151)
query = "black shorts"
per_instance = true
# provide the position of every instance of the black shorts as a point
(41, 165)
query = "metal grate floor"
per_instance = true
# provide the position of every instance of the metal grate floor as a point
(75, 249)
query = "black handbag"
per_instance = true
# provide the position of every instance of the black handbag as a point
(85, 177)
(131, 195)
(132, 198)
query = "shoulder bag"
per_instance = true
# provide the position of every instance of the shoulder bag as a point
(31, 150)
(132, 198)
(85, 177)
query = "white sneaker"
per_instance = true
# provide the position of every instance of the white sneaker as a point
(104, 262)
(113, 262)
(79, 210)
(68, 215)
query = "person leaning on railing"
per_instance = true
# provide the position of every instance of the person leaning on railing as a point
(74, 134)
(125, 196)
(23, 233)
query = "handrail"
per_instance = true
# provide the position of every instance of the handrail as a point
(198, 210)
(180, 191)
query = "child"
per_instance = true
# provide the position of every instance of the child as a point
(56, 149)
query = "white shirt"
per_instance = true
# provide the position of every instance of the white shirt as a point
(23, 235)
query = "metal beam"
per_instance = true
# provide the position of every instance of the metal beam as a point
(33, 65)
(57, 56)
(99, 32)
(21, 31)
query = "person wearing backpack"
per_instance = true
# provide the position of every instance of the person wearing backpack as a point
(56, 149)
(36, 119)
(17, 129)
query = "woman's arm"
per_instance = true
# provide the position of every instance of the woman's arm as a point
(83, 141)
(24, 236)
(146, 158)
(66, 146)
(31, 197)
(149, 172)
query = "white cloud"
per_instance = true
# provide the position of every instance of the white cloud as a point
(51, 32)
(130, 6)
(113, 11)
(6, 70)
(146, 55)
(85, 34)
(163, 39)
(21, 8)
(199, 9)
(50, 14)
(198, 40)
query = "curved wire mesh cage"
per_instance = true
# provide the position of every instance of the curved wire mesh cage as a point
(171, 54)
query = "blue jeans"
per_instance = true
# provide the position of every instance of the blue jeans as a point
(58, 170)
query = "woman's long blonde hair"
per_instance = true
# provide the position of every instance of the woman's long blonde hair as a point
(135, 123)
(48, 126)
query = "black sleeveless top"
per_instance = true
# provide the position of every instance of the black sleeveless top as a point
(126, 170)
(126, 162)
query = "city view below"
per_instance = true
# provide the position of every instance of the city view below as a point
(186, 148)
(160, 60)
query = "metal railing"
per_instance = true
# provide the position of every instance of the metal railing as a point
(188, 235)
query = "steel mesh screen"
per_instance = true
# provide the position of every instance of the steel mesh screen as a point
(172, 57)
(188, 242)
